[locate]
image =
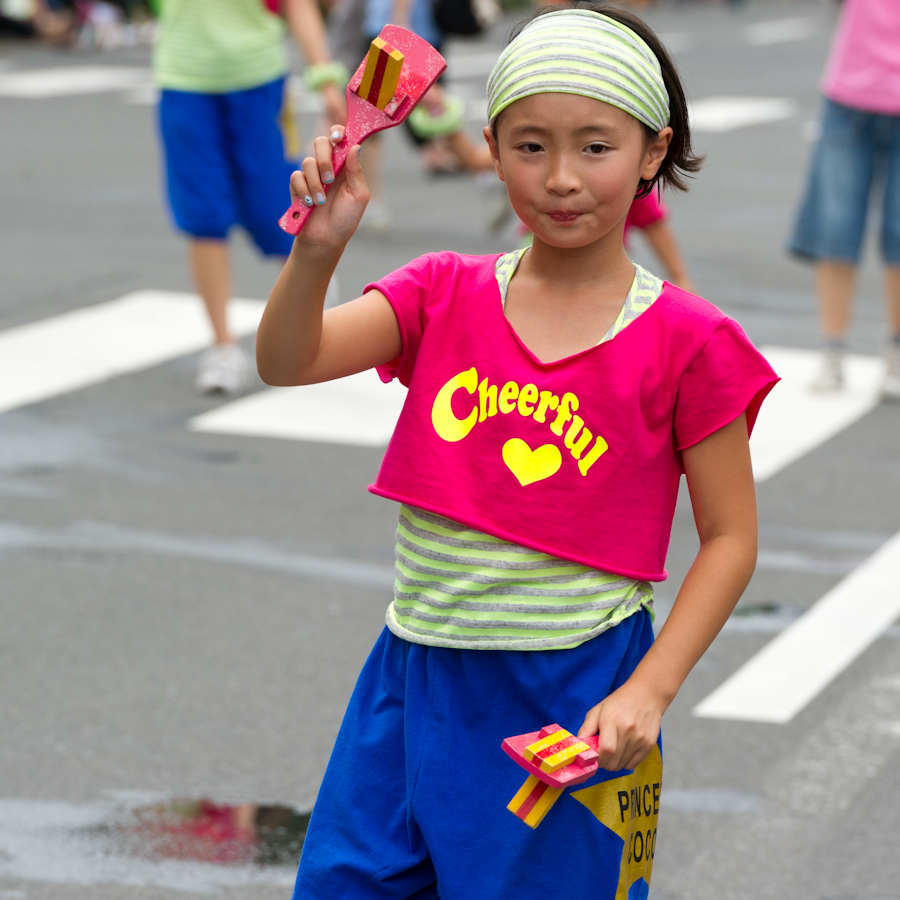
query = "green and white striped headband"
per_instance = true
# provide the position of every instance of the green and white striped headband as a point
(578, 51)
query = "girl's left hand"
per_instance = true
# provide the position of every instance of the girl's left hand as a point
(628, 723)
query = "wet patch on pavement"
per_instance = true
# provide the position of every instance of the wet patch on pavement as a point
(197, 846)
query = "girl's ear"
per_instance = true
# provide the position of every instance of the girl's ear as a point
(656, 151)
(495, 151)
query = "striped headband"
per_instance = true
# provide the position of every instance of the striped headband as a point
(577, 51)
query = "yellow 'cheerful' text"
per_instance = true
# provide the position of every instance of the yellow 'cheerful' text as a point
(528, 401)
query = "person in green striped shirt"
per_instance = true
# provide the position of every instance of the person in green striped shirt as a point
(221, 67)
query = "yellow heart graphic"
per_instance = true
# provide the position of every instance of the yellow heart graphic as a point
(531, 465)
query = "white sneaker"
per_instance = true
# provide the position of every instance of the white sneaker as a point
(890, 387)
(831, 375)
(224, 368)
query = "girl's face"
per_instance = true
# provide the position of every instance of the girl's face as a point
(572, 164)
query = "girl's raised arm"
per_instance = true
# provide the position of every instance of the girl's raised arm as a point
(297, 343)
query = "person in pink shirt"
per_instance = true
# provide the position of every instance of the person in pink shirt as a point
(556, 395)
(856, 158)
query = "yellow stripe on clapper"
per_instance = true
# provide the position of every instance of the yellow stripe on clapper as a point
(381, 74)
(542, 807)
(533, 749)
(533, 801)
(564, 757)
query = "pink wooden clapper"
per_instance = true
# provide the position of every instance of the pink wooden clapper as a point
(578, 770)
(422, 65)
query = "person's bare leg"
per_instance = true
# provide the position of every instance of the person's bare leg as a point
(211, 267)
(835, 282)
(224, 367)
(892, 297)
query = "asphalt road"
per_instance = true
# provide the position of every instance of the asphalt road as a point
(180, 613)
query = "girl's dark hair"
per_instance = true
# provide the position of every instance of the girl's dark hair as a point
(680, 162)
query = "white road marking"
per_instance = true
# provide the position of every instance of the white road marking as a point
(795, 420)
(805, 658)
(65, 81)
(719, 114)
(358, 410)
(780, 31)
(64, 353)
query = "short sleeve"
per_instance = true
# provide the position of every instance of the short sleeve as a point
(407, 291)
(646, 210)
(727, 377)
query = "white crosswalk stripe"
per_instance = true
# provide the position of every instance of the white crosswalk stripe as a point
(708, 114)
(805, 658)
(356, 410)
(780, 31)
(794, 420)
(89, 345)
(67, 81)
(720, 114)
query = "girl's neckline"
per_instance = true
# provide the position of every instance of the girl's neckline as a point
(645, 290)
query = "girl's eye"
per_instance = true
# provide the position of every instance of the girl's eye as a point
(595, 149)
(531, 148)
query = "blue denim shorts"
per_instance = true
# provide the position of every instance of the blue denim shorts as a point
(856, 157)
(225, 163)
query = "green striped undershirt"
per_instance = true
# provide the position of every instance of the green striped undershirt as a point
(455, 586)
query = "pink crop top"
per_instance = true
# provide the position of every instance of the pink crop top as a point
(579, 458)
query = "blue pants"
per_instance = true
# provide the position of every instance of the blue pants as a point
(858, 151)
(413, 804)
(225, 164)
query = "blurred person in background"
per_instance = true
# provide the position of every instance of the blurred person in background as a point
(221, 66)
(88, 24)
(50, 20)
(859, 147)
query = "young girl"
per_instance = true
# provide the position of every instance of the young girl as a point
(556, 395)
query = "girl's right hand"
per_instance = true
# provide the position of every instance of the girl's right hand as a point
(335, 215)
